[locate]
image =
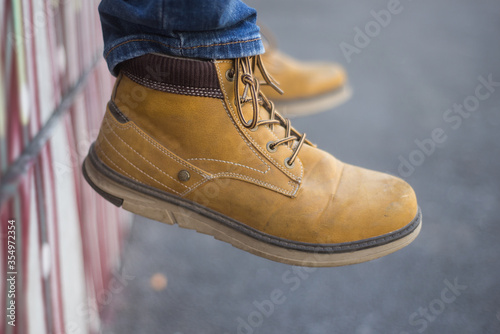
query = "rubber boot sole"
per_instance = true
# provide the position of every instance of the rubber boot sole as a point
(170, 209)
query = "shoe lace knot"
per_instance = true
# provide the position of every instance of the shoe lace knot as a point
(244, 74)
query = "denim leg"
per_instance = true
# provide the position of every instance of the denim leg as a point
(209, 29)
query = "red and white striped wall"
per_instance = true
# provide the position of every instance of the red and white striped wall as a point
(64, 239)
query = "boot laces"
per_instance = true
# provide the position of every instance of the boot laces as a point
(245, 68)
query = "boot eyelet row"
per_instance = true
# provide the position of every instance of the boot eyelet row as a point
(269, 147)
(287, 164)
(255, 128)
(230, 75)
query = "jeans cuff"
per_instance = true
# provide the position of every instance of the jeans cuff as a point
(139, 45)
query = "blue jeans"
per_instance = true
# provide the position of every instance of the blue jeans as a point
(209, 29)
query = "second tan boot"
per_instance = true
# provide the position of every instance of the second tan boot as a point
(309, 87)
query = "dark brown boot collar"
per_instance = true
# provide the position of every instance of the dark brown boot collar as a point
(175, 75)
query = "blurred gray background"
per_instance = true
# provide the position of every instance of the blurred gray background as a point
(406, 81)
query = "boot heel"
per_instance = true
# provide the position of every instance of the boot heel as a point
(127, 198)
(111, 198)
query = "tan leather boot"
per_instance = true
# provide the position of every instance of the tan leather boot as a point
(198, 144)
(309, 87)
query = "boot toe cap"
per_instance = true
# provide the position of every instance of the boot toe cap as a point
(369, 204)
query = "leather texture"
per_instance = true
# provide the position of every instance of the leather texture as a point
(230, 170)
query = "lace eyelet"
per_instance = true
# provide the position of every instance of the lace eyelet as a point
(230, 75)
(255, 128)
(288, 165)
(269, 148)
